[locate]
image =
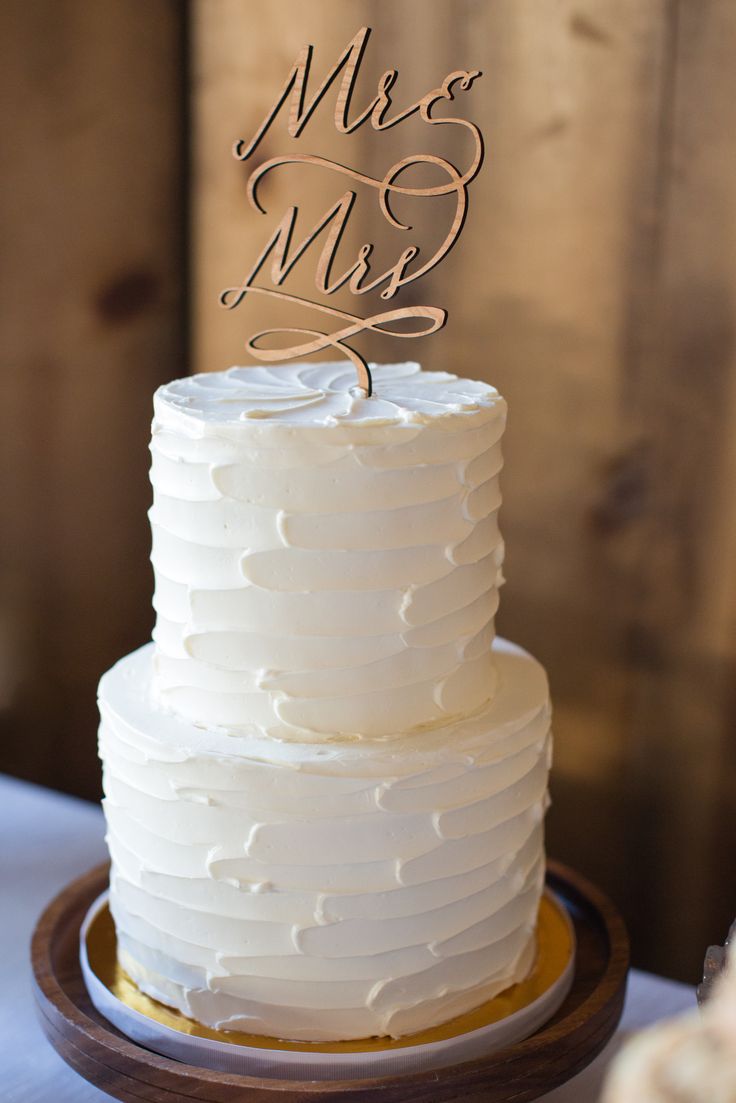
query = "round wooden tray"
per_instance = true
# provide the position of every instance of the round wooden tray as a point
(524, 1071)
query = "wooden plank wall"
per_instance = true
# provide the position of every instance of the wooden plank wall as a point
(91, 316)
(596, 286)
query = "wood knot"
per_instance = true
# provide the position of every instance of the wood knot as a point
(585, 28)
(625, 495)
(125, 297)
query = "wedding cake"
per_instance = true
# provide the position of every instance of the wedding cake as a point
(325, 779)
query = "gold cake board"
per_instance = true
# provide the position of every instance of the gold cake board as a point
(523, 1070)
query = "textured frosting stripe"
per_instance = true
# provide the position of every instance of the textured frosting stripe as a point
(324, 890)
(325, 563)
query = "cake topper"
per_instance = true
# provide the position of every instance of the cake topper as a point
(358, 276)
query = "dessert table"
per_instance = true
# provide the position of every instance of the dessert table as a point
(47, 840)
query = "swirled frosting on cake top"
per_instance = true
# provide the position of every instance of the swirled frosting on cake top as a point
(326, 565)
(325, 394)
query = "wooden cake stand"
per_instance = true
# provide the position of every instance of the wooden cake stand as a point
(524, 1071)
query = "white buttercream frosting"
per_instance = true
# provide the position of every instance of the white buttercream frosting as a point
(325, 781)
(333, 890)
(325, 563)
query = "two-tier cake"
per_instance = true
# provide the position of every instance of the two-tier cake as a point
(325, 780)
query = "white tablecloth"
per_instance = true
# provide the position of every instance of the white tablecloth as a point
(46, 839)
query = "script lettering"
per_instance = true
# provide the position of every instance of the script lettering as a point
(357, 275)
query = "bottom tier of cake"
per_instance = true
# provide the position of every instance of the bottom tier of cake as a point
(325, 891)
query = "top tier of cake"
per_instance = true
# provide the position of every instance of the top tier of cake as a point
(327, 565)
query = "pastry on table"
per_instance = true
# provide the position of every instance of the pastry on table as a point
(688, 1059)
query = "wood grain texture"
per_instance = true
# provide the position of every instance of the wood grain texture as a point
(682, 615)
(91, 197)
(595, 286)
(521, 1072)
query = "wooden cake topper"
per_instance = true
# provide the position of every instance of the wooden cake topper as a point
(358, 277)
